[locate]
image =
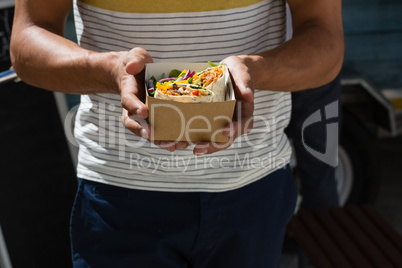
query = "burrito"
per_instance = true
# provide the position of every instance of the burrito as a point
(188, 86)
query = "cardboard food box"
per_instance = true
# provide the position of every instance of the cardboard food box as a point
(176, 121)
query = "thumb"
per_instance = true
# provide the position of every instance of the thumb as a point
(247, 93)
(136, 60)
(243, 88)
(241, 78)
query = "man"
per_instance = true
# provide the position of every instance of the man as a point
(138, 204)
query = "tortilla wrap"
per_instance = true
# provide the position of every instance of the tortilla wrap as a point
(218, 89)
(184, 98)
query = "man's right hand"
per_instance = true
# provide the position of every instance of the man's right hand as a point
(131, 85)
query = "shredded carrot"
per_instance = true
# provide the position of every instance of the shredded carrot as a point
(208, 77)
(211, 75)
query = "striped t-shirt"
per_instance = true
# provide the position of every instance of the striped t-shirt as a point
(178, 31)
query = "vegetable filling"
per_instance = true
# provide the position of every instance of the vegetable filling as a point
(187, 82)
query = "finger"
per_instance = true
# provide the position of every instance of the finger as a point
(247, 93)
(242, 88)
(205, 148)
(237, 128)
(131, 85)
(243, 119)
(241, 78)
(129, 99)
(137, 125)
(130, 90)
(136, 60)
(172, 146)
(181, 145)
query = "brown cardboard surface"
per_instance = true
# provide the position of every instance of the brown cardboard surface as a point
(174, 121)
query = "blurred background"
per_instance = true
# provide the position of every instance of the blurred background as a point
(37, 178)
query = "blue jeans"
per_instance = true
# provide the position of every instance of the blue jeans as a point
(118, 227)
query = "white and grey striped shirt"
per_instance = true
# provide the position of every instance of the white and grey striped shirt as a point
(111, 154)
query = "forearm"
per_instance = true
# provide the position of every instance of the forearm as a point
(310, 59)
(48, 60)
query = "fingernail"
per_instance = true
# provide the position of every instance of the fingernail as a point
(251, 92)
(202, 152)
(227, 132)
(181, 146)
(166, 146)
(162, 144)
(137, 112)
(144, 133)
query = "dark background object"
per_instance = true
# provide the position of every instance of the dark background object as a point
(37, 181)
(37, 178)
(6, 19)
(373, 37)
